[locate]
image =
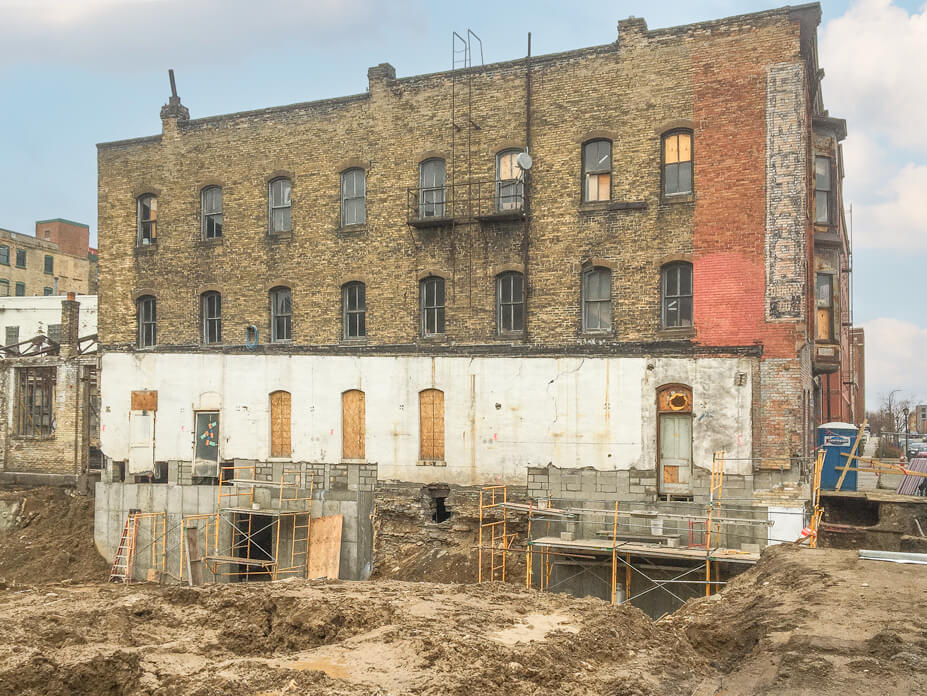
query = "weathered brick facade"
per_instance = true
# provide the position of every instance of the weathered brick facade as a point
(741, 85)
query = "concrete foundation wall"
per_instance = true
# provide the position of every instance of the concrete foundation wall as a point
(502, 414)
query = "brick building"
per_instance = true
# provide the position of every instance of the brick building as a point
(56, 261)
(387, 277)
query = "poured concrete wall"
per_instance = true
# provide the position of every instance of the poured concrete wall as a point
(502, 414)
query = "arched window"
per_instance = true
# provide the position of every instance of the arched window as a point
(597, 299)
(510, 185)
(677, 162)
(281, 314)
(354, 309)
(353, 197)
(211, 206)
(431, 180)
(278, 201)
(676, 285)
(510, 302)
(211, 311)
(147, 321)
(431, 424)
(432, 305)
(280, 411)
(597, 170)
(353, 424)
(147, 219)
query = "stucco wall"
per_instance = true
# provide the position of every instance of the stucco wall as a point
(501, 414)
(31, 314)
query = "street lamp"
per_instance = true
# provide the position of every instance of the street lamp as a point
(905, 412)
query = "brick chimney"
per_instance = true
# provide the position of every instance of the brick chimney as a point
(70, 322)
(173, 112)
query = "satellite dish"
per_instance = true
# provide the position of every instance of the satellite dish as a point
(524, 161)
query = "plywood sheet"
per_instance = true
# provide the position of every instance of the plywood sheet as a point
(145, 400)
(325, 547)
(431, 410)
(353, 424)
(280, 402)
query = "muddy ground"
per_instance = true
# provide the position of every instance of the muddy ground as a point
(801, 622)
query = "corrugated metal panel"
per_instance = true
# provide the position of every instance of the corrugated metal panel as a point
(893, 556)
(910, 484)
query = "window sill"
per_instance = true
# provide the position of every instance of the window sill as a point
(597, 334)
(682, 332)
(358, 341)
(511, 336)
(352, 230)
(146, 249)
(211, 242)
(33, 438)
(434, 338)
(279, 459)
(673, 198)
(281, 236)
(594, 206)
(431, 462)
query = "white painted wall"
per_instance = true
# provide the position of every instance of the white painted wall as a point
(501, 414)
(34, 314)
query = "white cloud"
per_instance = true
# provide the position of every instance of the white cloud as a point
(895, 351)
(897, 221)
(128, 34)
(873, 57)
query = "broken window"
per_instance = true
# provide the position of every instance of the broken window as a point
(49, 264)
(432, 291)
(4, 254)
(20, 258)
(354, 301)
(510, 294)
(211, 203)
(597, 170)
(510, 186)
(281, 314)
(20, 289)
(35, 397)
(4, 287)
(677, 295)
(147, 219)
(597, 299)
(824, 300)
(822, 189)
(431, 412)
(278, 197)
(147, 321)
(353, 197)
(431, 178)
(54, 332)
(677, 163)
(211, 308)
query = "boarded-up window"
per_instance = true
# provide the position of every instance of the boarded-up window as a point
(431, 409)
(353, 415)
(824, 299)
(280, 424)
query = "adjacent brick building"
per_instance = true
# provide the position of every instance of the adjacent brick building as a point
(389, 277)
(58, 260)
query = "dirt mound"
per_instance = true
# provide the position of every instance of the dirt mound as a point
(49, 538)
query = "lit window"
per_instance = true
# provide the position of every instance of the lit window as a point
(597, 170)
(211, 309)
(147, 219)
(677, 163)
(432, 177)
(597, 299)
(677, 295)
(510, 186)
(354, 301)
(353, 197)
(510, 297)
(281, 314)
(211, 204)
(278, 197)
(432, 291)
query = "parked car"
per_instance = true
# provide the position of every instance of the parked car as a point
(917, 449)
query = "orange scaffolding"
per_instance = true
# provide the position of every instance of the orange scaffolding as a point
(493, 498)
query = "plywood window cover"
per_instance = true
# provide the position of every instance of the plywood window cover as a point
(431, 410)
(280, 425)
(353, 424)
(145, 400)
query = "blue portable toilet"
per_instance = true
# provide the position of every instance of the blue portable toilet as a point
(837, 439)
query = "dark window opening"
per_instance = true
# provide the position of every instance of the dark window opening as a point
(254, 540)
(434, 502)
(441, 512)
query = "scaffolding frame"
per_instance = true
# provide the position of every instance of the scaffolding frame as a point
(500, 541)
(236, 508)
(716, 485)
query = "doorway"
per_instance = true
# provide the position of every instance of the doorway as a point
(674, 433)
(254, 539)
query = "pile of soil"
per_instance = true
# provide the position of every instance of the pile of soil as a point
(48, 537)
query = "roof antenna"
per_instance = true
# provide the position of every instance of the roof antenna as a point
(170, 74)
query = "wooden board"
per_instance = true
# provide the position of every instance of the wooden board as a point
(280, 424)
(144, 400)
(194, 562)
(325, 547)
(431, 411)
(353, 417)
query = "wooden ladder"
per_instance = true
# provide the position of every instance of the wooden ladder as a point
(125, 554)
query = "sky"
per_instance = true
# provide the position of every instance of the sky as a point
(74, 73)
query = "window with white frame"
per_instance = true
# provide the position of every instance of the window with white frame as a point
(431, 180)
(354, 302)
(353, 197)
(211, 310)
(211, 205)
(147, 321)
(510, 301)
(279, 205)
(597, 171)
(597, 299)
(510, 184)
(432, 306)
(281, 314)
(147, 219)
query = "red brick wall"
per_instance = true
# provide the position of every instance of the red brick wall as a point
(71, 239)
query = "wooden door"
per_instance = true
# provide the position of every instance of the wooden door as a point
(280, 424)
(353, 422)
(675, 453)
(431, 409)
